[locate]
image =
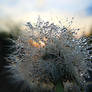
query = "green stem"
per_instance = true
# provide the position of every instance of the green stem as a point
(59, 87)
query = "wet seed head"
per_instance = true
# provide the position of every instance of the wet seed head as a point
(46, 53)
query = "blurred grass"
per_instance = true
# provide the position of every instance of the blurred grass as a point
(9, 29)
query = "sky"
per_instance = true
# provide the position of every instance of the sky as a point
(89, 9)
(27, 10)
(16, 8)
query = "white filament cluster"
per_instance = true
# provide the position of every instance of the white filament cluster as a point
(46, 53)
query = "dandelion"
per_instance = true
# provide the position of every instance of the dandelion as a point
(46, 54)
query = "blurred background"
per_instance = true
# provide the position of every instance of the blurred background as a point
(52, 10)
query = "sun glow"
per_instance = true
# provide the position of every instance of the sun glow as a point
(39, 44)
